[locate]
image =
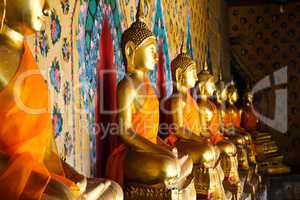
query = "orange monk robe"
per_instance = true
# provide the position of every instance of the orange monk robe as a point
(249, 120)
(145, 122)
(191, 119)
(214, 125)
(26, 137)
(232, 117)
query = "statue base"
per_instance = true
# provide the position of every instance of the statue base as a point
(136, 191)
(151, 192)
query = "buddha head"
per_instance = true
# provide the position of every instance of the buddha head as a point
(206, 82)
(248, 96)
(220, 90)
(231, 93)
(184, 73)
(24, 16)
(139, 45)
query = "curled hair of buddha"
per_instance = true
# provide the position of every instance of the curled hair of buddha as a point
(205, 76)
(220, 85)
(181, 64)
(2, 13)
(138, 32)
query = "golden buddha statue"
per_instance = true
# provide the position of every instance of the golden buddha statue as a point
(232, 119)
(210, 123)
(185, 130)
(232, 125)
(267, 151)
(249, 122)
(143, 163)
(243, 164)
(29, 165)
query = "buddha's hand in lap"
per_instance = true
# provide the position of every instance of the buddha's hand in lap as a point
(174, 181)
(96, 192)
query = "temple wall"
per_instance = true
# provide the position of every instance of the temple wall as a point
(68, 53)
(266, 39)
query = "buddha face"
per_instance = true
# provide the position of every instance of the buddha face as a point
(249, 97)
(143, 57)
(210, 87)
(26, 16)
(220, 95)
(206, 84)
(233, 96)
(190, 76)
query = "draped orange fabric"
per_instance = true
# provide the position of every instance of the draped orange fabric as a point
(232, 117)
(191, 119)
(145, 122)
(26, 135)
(214, 124)
(191, 115)
(249, 120)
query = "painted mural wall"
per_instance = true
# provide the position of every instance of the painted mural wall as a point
(70, 49)
(265, 38)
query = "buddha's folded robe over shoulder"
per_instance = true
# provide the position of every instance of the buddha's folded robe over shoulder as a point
(26, 135)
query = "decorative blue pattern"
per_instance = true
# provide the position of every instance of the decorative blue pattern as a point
(160, 31)
(189, 46)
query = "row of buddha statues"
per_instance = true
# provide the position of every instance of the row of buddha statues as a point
(209, 152)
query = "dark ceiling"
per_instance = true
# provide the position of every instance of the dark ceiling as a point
(249, 2)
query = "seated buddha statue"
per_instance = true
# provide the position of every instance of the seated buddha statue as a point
(249, 122)
(267, 151)
(143, 161)
(220, 102)
(30, 167)
(232, 126)
(210, 123)
(232, 121)
(185, 132)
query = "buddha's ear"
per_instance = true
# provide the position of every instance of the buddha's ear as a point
(129, 50)
(178, 75)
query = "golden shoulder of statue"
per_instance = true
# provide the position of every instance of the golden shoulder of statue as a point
(19, 18)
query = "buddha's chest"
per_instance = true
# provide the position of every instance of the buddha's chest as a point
(145, 100)
(232, 115)
(206, 112)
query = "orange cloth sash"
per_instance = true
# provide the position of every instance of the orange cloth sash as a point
(25, 136)
(232, 117)
(249, 120)
(191, 115)
(191, 120)
(214, 125)
(145, 122)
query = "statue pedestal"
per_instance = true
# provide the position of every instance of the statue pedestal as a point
(134, 191)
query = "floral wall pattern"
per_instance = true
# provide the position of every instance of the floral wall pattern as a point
(68, 53)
